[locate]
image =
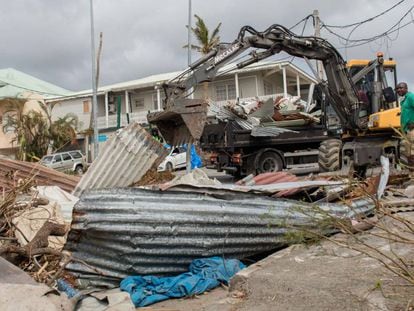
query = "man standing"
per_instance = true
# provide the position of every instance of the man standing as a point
(407, 122)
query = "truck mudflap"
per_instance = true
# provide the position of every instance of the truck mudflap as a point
(183, 122)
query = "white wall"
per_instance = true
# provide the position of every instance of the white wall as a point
(75, 106)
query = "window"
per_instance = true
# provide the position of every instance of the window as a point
(7, 120)
(66, 157)
(139, 103)
(221, 92)
(86, 106)
(57, 158)
(268, 88)
(225, 92)
(75, 154)
(155, 101)
(231, 91)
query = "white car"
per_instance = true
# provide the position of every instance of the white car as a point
(175, 159)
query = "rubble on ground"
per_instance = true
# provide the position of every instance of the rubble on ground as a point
(33, 232)
(14, 171)
(154, 223)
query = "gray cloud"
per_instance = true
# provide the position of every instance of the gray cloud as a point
(50, 39)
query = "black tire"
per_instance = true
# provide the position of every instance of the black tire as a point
(269, 162)
(169, 167)
(79, 170)
(329, 158)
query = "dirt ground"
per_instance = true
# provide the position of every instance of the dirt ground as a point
(322, 276)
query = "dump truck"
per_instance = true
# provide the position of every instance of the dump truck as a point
(361, 141)
(307, 147)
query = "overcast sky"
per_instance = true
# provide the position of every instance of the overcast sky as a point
(50, 39)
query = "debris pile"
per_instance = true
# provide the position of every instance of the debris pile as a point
(134, 221)
(152, 177)
(269, 117)
(32, 232)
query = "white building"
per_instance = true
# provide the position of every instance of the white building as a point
(121, 103)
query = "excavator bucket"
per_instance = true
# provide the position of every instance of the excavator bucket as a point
(181, 123)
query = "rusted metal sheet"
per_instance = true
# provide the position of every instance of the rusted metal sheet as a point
(182, 122)
(274, 178)
(12, 170)
(269, 188)
(123, 160)
(129, 231)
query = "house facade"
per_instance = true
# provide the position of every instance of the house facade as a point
(121, 103)
(17, 87)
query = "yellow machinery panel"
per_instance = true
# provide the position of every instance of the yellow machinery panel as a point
(385, 119)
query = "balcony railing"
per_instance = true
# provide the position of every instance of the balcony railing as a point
(140, 117)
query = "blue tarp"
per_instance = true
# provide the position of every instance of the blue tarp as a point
(204, 274)
(195, 158)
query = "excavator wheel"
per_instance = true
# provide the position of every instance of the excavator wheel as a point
(329, 157)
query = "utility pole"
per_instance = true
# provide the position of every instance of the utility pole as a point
(94, 91)
(317, 25)
(189, 145)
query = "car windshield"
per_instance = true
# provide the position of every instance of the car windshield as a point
(47, 160)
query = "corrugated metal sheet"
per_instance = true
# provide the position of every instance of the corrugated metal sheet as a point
(123, 160)
(265, 189)
(129, 231)
(261, 131)
(224, 114)
(12, 170)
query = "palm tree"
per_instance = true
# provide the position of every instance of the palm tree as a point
(35, 131)
(30, 130)
(206, 42)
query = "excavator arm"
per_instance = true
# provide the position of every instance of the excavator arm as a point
(178, 126)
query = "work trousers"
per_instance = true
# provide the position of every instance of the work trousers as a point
(407, 149)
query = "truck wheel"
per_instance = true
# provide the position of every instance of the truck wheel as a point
(269, 162)
(169, 167)
(329, 158)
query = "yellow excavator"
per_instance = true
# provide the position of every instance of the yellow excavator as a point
(364, 103)
(372, 77)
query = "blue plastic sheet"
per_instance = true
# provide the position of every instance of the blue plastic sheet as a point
(204, 274)
(195, 158)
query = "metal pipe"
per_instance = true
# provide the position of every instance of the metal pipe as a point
(94, 90)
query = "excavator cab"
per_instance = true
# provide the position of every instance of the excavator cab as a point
(375, 82)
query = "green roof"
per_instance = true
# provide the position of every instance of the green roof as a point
(14, 83)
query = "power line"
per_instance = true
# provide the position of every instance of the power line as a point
(304, 19)
(384, 35)
(359, 42)
(368, 19)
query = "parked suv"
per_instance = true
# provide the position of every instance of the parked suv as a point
(73, 161)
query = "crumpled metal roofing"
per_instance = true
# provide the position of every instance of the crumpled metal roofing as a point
(123, 160)
(224, 114)
(120, 232)
(12, 170)
(265, 131)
